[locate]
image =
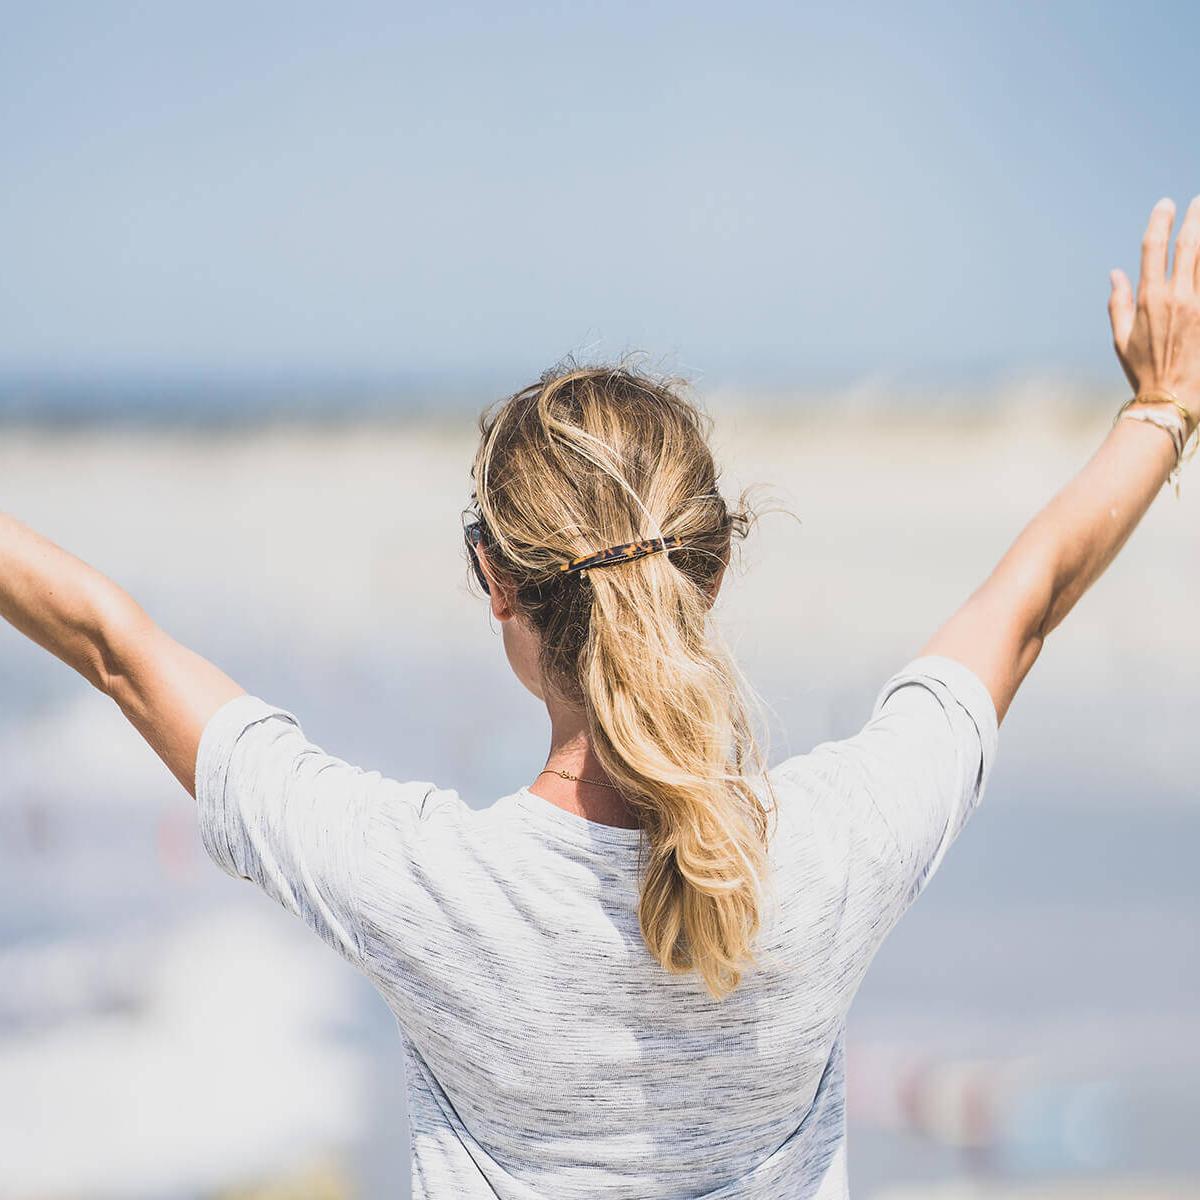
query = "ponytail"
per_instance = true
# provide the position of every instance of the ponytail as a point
(662, 708)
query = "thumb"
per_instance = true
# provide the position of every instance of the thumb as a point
(1120, 307)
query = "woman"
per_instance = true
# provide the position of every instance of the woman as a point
(631, 977)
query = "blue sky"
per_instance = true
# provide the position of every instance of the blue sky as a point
(754, 190)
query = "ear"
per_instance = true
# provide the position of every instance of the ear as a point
(716, 587)
(501, 594)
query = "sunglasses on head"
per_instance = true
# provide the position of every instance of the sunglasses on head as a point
(474, 535)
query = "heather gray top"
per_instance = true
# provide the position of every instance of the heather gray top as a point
(548, 1054)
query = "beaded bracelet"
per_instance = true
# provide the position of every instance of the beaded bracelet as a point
(1180, 430)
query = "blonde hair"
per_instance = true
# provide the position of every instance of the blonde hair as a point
(593, 456)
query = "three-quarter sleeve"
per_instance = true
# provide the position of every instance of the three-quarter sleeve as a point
(275, 809)
(886, 803)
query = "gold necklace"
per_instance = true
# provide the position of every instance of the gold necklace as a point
(578, 778)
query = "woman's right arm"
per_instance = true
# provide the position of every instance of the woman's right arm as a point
(1066, 547)
(67, 607)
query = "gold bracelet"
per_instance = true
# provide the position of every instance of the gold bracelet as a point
(1159, 396)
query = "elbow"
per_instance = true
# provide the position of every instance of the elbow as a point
(1056, 608)
(1029, 653)
(1040, 624)
(1031, 585)
(117, 642)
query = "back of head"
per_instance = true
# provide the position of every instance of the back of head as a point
(591, 457)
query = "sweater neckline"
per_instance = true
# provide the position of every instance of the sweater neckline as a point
(553, 819)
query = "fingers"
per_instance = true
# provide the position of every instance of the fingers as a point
(1154, 246)
(1187, 243)
(1120, 308)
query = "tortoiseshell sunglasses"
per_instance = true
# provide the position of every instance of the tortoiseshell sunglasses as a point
(474, 535)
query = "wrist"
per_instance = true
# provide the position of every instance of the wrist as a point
(1170, 423)
(1184, 401)
(1135, 427)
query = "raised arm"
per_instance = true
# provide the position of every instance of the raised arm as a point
(1066, 547)
(167, 691)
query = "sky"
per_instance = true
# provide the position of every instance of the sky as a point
(750, 191)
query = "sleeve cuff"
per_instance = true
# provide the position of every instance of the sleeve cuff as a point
(217, 742)
(960, 684)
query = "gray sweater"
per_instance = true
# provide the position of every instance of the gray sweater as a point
(548, 1054)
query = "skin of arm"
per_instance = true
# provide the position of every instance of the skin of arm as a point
(169, 692)
(1000, 630)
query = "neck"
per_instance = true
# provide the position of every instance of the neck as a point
(571, 751)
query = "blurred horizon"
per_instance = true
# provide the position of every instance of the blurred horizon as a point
(217, 399)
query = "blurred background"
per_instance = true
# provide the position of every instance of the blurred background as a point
(264, 264)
